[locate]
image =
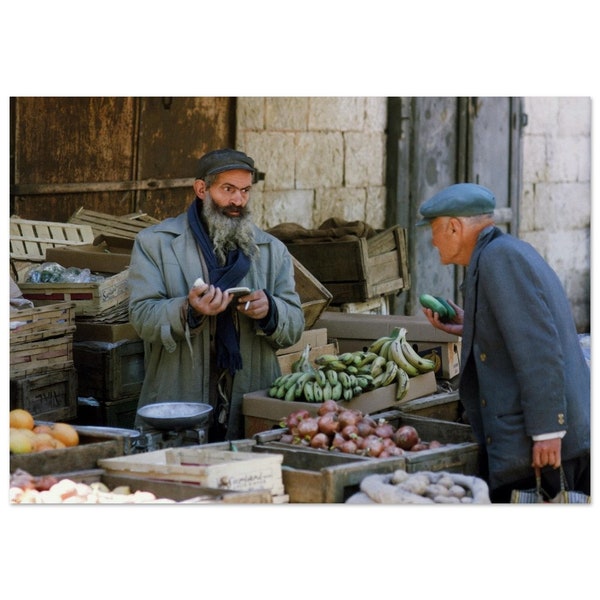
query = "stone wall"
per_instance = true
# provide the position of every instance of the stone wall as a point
(325, 157)
(555, 208)
(322, 157)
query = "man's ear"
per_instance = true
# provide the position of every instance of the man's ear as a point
(454, 225)
(200, 188)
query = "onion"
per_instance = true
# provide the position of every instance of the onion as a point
(349, 417)
(337, 441)
(287, 438)
(373, 445)
(420, 446)
(328, 423)
(308, 427)
(365, 426)
(384, 429)
(320, 440)
(406, 437)
(327, 407)
(435, 444)
(350, 431)
(349, 447)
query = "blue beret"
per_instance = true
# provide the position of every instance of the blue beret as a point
(458, 200)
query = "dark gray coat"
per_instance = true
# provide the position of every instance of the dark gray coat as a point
(165, 262)
(523, 370)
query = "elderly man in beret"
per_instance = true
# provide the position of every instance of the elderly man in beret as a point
(201, 343)
(524, 383)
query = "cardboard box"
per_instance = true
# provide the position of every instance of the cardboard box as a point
(356, 331)
(312, 337)
(262, 412)
(106, 255)
(286, 361)
(448, 353)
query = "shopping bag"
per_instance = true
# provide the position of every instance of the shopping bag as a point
(539, 495)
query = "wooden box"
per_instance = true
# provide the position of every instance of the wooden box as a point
(445, 406)
(29, 239)
(262, 412)
(171, 490)
(42, 322)
(359, 269)
(314, 296)
(51, 395)
(124, 226)
(90, 298)
(218, 469)
(91, 448)
(109, 371)
(325, 476)
(43, 355)
(117, 413)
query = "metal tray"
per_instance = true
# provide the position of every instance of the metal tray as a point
(175, 415)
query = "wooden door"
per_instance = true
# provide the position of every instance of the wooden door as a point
(433, 143)
(115, 155)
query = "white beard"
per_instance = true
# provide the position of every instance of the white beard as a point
(228, 233)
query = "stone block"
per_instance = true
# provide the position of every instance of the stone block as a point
(319, 160)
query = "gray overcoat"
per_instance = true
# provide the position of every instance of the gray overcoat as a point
(165, 262)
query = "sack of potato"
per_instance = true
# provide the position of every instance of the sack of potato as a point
(422, 487)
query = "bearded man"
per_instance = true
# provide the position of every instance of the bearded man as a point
(201, 343)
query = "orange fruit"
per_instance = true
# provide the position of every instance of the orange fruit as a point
(20, 442)
(65, 433)
(21, 419)
(43, 441)
(42, 429)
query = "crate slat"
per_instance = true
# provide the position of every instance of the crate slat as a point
(33, 357)
(29, 239)
(126, 226)
(42, 322)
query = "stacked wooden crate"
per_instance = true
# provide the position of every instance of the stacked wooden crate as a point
(42, 376)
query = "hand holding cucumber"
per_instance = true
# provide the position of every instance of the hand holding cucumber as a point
(442, 314)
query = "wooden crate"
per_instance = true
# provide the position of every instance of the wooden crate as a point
(445, 406)
(373, 306)
(42, 322)
(30, 239)
(109, 371)
(360, 269)
(124, 226)
(91, 299)
(177, 491)
(42, 355)
(119, 413)
(325, 476)
(92, 447)
(315, 476)
(314, 296)
(218, 469)
(51, 395)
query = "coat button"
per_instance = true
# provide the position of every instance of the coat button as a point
(488, 440)
(483, 402)
(561, 419)
(482, 357)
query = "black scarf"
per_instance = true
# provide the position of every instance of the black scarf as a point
(236, 267)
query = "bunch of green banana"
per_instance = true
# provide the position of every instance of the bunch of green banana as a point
(319, 385)
(397, 348)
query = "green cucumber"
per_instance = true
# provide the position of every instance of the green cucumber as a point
(451, 313)
(429, 301)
